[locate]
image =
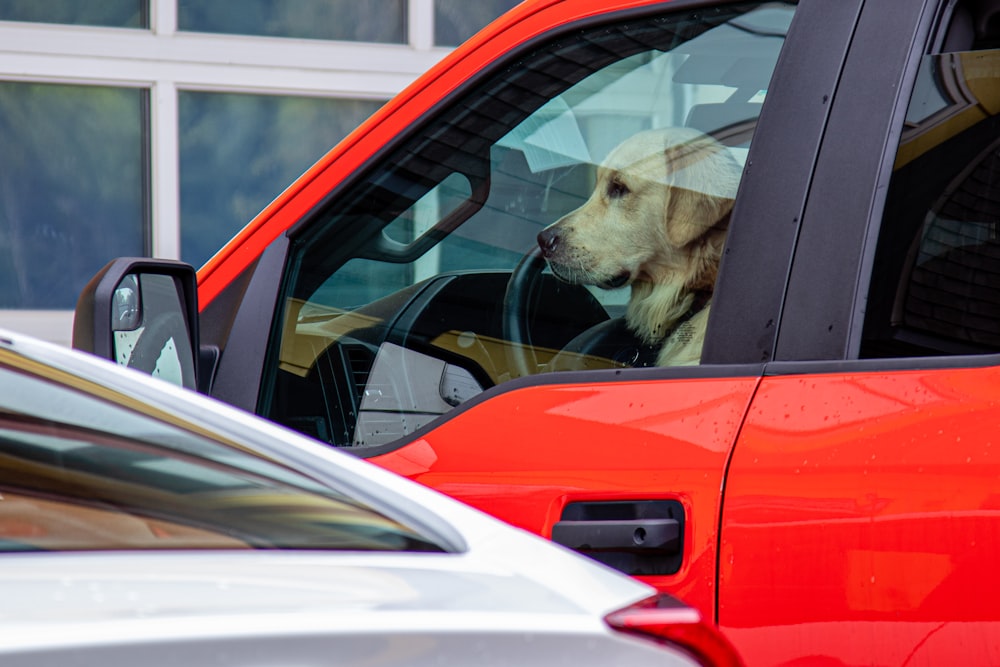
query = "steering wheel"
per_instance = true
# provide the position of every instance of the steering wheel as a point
(519, 350)
(608, 344)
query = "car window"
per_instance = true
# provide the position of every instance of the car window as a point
(80, 471)
(567, 213)
(936, 286)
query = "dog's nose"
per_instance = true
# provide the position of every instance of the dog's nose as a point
(548, 240)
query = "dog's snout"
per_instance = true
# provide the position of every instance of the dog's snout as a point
(548, 241)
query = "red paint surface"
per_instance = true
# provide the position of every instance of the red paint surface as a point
(862, 514)
(523, 455)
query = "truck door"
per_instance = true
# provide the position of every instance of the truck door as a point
(413, 327)
(862, 501)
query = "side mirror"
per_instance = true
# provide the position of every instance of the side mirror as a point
(142, 313)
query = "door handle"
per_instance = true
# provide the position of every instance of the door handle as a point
(646, 536)
(638, 537)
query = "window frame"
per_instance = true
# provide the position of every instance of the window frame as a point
(838, 233)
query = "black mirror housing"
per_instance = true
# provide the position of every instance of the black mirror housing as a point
(136, 309)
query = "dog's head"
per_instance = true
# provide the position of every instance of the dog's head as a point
(658, 214)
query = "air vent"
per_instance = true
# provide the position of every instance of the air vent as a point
(359, 365)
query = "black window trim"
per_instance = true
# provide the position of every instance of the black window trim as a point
(828, 283)
(750, 292)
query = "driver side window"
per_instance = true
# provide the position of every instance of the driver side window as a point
(567, 214)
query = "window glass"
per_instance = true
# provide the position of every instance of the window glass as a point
(936, 287)
(457, 20)
(410, 295)
(81, 472)
(73, 188)
(349, 20)
(114, 13)
(238, 151)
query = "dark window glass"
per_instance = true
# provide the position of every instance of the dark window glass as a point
(73, 188)
(113, 13)
(348, 20)
(936, 285)
(457, 20)
(81, 472)
(237, 152)
(407, 296)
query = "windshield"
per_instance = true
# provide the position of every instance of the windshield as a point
(84, 471)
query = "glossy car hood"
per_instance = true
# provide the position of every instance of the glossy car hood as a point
(303, 609)
(67, 587)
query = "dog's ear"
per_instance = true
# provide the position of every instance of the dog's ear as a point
(691, 215)
(693, 166)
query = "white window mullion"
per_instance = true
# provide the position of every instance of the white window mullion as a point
(164, 149)
(165, 167)
(163, 17)
(421, 24)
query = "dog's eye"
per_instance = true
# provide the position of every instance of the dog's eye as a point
(617, 189)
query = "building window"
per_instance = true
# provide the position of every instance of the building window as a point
(113, 13)
(162, 127)
(457, 20)
(381, 21)
(237, 152)
(73, 187)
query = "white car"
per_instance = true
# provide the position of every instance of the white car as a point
(143, 524)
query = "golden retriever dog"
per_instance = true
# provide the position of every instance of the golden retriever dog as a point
(656, 220)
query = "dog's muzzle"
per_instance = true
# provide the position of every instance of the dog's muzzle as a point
(549, 241)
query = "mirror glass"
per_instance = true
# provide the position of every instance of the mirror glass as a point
(150, 328)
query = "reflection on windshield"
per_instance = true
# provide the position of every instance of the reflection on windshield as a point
(81, 473)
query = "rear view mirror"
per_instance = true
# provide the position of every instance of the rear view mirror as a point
(142, 313)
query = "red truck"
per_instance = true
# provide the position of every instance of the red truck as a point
(821, 478)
